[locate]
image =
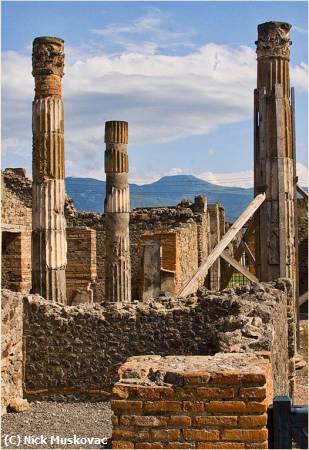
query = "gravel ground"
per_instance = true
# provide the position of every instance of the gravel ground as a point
(58, 419)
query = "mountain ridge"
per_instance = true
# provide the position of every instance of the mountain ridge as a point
(88, 193)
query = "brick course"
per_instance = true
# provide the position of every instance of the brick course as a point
(214, 422)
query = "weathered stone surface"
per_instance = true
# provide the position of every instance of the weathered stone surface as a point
(48, 191)
(117, 208)
(18, 405)
(78, 364)
(11, 349)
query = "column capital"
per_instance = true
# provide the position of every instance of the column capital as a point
(116, 132)
(273, 40)
(48, 56)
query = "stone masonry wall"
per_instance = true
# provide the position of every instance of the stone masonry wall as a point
(16, 261)
(11, 348)
(213, 402)
(81, 266)
(83, 360)
(142, 220)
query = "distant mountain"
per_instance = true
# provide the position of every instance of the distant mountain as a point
(88, 194)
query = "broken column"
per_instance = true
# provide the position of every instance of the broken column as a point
(117, 209)
(48, 190)
(274, 168)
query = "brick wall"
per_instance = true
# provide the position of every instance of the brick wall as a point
(83, 361)
(81, 265)
(212, 402)
(11, 348)
(16, 261)
(145, 220)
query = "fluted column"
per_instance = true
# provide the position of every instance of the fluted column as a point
(117, 209)
(48, 190)
(274, 155)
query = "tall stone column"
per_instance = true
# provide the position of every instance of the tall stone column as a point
(117, 209)
(48, 191)
(274, 169)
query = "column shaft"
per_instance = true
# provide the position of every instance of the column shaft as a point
(117, 209)
(48, 189)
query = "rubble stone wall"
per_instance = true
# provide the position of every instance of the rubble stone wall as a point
(213, 402)
(11, 348)
(83, 360)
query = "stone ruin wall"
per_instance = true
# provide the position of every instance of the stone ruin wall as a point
(11, 348)
(16, 213)
(302, 218)
(191, 226)
(83, 361)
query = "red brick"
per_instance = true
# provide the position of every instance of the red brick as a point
(193, 406)
(256, 407)
(225, 407)
(200, 435)
(122, 433)
(238, 378)
(146, 392)
(220, 445)
(120, 392)
(162, 406)
(114, 420)
(252, 421)
(245, 435)
(165, 435)
(178, 445)
(196, 377)
(256, 392)
(149, 445)
(144, 421)
(122, 444)
(126, 406)
(185, 394)
(215, 420)
(257, 445)
(179, 421)
(215, 392)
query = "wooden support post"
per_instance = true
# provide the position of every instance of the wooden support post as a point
(302, 192)
(238, 253)
(214, 275)
(239, 267)
(227, 238)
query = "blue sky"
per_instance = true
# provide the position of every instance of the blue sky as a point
(181, 73)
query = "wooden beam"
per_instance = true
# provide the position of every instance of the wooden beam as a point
(248, 251)
(239, 267)
(227, 238)
(302, 192)
(303, 298)
(225, 278)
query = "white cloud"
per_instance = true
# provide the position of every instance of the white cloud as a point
(245, 178)
(299, 76)
(241, 179)
(163, 97)
(303, 174)
(147, 34)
